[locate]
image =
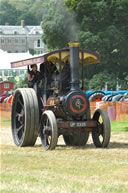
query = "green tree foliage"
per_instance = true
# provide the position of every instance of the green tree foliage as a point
(103, 28)
(8, 13)
(39, 10)
(31, 51)
(58, 26)
(32, 11)
(29, 19)
(22, 83)
(99, 80)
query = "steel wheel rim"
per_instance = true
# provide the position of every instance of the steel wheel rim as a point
(100, 129)
(46, 132)
(101, 134)
(19, 119)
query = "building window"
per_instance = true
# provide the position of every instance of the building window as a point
(16, 41)
(38, 43)
(9, 41)
(37, 52)
(42, 51)
(23, 41)
(6, 85)
(15, 32)
(21, 72)
(17, 72)
(6, 73)
(2, 41)
(10, 72)
(0, 72)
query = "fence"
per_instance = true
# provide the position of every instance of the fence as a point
(5, 110)
(117, 111)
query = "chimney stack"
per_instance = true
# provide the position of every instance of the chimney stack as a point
(74, 64)
(22, 23)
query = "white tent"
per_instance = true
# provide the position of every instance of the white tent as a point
(7, 58)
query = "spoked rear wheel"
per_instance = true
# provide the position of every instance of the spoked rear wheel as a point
(48, 130)
(101, 135)
(25, 117)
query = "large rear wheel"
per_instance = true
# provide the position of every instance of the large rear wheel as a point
(101, 135)
(25, 117)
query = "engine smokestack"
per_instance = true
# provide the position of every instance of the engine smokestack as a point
(74, 64)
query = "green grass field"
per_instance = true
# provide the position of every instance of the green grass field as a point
(119, 126)
(66, 169)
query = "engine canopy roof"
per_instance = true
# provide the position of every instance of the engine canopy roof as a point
(59, 56)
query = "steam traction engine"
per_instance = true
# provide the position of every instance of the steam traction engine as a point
(66, 114)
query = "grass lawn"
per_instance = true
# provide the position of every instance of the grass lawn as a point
(119, 126)
(66, 169)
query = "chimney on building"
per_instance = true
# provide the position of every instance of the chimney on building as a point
(22, 23)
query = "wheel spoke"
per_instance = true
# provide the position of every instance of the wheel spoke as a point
(21, 104)
(47, 123)
(19, 129)
(49, 139)
(18, 114)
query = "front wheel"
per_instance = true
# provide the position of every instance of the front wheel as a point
(48, 130)
(101, 135)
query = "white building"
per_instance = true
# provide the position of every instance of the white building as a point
(21, 39)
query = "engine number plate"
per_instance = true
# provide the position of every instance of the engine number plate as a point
(77, 124)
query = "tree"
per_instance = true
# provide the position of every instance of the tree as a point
(22, 83)
(99, 80)
(58, 26)
(103, 28)
(8, 13)
(29, 19)
(31, 11)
